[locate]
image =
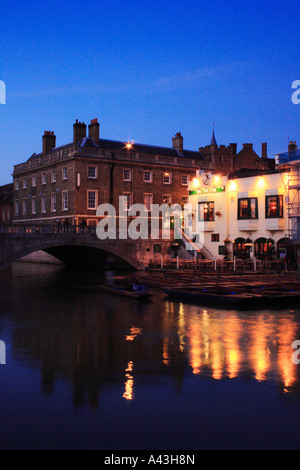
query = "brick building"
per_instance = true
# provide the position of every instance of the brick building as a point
(66, 184)
(225, 160)
(6, 203)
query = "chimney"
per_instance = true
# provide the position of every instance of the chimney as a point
(177, 142)
(292, 146)
(79, 131)
(264, 153)
(247, 146)
(49, 141)
(94, 130)
(233, 148)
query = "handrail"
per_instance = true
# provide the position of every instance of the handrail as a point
(36, 229)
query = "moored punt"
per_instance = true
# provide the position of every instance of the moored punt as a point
(239, 299)
(127, 291)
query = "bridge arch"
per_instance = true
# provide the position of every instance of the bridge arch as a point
(89, 251)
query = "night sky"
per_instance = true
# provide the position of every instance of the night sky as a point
(148, 69)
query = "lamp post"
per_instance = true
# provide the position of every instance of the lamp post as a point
(129, 149)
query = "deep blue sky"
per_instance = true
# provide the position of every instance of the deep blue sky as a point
(148, 69)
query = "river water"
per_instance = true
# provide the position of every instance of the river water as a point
(87, 370)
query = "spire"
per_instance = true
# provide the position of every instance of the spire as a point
(213, 139)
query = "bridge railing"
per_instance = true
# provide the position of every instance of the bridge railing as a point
(23, 230)
(33, 229)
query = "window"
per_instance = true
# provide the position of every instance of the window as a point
(17, 208)
(184, 180)
(274, 206)
(24, 207)
(53, 202)
(33, 205)
(263, 248)
(241, 249)
(185, 199)
(17, 185)
(126, 175)
(65, 200)
(65, 173)
(127, 201)
(92, 172)
(147, 176)
(33, 181)
(215, 237)
(167, 199)
(148, 201)
(53, 176)
(167, 177)
(92, 200)
(247, 208)
(43, 203)
(24, 183)
(44, 180)
(206, 211)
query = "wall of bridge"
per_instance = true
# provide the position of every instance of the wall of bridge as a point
(17, 242)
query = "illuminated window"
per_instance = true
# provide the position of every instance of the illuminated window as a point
(167, 178)
(274, 206)
(206, 211)
(247, 208)
(167, 199)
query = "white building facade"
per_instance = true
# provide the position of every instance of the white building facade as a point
(242, 216)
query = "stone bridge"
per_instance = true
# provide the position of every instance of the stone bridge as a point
(78, 246)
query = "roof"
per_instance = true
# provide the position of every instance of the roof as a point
(6, 193)
(213, 140)
(248, 172)
(119, 146)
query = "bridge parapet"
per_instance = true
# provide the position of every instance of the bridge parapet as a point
(17, 241)
(32, 229)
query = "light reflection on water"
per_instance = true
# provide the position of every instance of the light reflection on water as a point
(58, 325)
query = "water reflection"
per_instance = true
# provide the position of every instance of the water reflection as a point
(64, 326)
